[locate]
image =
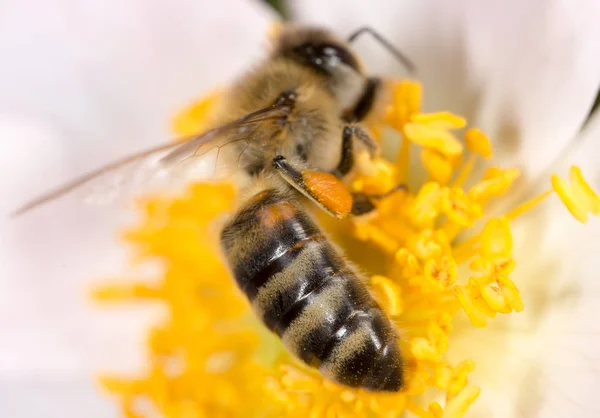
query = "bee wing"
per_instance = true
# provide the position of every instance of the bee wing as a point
(164, 158)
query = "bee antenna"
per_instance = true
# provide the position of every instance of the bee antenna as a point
(386, 44)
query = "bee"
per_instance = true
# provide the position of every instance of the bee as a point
(291, 127)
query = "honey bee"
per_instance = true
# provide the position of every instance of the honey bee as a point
(291, 127)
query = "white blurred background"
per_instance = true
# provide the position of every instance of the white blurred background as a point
(83, 82)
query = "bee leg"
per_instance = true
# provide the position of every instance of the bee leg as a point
(324, 189)
(347, 155)
(366, 139)
(363, 203)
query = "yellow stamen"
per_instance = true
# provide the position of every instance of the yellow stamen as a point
(126, 292)
(429, 137)
(427, 204)
(389, 294)
(435, 410)
(459, 208)
(195, 119)
(408, 261)
(492, 266)
(417, 410)
(478, 143)
(406, 101)
(457, 407)
(459, 378)
(500, 297)
(441, 275)
(496, 238)
(440, 120)
(496, 182)
(584, 190)
(467, 300)
(579, 198)
(436, 165)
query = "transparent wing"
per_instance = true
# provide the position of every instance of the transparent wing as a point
(163, 161)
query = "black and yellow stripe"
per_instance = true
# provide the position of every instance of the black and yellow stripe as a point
(304, 291)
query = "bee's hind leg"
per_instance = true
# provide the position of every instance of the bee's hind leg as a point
(324, 189)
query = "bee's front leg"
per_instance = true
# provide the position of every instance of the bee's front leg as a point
(349, 134)
(361, 203)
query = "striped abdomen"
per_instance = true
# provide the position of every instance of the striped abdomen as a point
(305, 292)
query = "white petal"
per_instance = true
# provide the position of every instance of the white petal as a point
(82, 83)
(584, 151)
(526, 72)
(54, 399)
(544, 361)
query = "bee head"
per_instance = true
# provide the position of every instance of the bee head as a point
(327, 55)
(317, 48)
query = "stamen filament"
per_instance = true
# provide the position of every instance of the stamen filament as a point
(465, 171)
(451, 230)
(417, 410)
(524, 207)
(466, 249)
(403, 160)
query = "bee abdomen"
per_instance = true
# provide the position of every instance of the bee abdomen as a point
(305, 292)
(364, 352)
(339, 328)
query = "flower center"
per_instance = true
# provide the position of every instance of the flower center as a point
(211, 357)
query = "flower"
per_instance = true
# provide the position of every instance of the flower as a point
(476, 59)
(211, 340)
(112, 75)
(497, 64)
